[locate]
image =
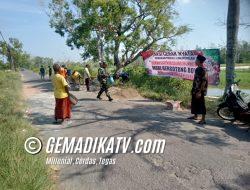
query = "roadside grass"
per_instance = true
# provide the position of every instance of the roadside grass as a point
(243, 64)
(238, 64)
(212, 105)
(18, 169)
(159, 88)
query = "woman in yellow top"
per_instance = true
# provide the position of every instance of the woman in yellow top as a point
(61, 93)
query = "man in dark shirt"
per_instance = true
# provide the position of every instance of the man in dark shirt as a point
(50, 72)
(199, 90)
(42, 72)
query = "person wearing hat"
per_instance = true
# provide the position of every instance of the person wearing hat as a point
(199, 90)
(102, 78)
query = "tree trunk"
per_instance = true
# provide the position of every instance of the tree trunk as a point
(117, 62)
(9, 57)
(100, 46)
(232, 33)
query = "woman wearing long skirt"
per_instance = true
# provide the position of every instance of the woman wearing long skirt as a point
(61, 93)
(199, 90)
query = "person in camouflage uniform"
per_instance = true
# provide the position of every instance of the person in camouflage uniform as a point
(102, 78)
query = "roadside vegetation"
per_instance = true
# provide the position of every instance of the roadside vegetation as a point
(19, 170)
(159, 88)
(242, 75)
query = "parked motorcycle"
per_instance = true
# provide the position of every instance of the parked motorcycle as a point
(236, 105)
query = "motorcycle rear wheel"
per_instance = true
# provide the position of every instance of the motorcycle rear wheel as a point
(226, 114)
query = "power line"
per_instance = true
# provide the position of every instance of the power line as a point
(3, 37)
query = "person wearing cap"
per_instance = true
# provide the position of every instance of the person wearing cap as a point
(102, 78)
(199, 90)
(61, 93)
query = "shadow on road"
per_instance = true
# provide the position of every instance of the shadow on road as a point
(41, 119)
(242, 181)
(43, 86)
(155, 120)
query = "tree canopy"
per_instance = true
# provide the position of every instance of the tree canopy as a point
(16, 57)
(125, 27)
(13, 51)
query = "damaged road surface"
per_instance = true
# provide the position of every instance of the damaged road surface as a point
(216, 156)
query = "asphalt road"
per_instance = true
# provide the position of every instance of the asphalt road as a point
(216, 156)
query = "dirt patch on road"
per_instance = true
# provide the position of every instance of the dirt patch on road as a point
(125, 93)
(29, 91)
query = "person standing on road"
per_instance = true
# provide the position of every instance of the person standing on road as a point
(102, 78)
(199, 90)
(61, 93)
(50, 72)
(42, 72)
(87, 76)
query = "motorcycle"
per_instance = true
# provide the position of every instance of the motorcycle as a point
(236, 105)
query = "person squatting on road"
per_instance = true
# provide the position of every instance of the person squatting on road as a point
(42, 72)
(199, 90)
(124, 76)
(76, 79)
(61, 93)
(87, 76)
(102, 78)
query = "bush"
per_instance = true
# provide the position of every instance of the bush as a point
(3, 66)
(159, 88)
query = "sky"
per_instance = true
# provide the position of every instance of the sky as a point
(27, 21)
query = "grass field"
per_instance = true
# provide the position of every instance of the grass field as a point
(18, 169)
(243, 75)
(238, 64)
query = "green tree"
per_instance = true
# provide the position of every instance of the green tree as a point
(13, 51)
(37, 61)
(116, 29)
